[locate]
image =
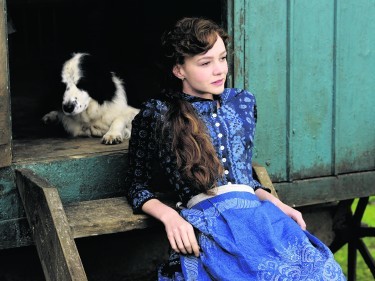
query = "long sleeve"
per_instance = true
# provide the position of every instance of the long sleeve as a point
(142, 151)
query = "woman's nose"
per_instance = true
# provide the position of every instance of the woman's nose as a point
(220, 68)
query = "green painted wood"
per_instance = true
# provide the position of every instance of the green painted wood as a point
(79, 179)
(327, 189)
(86, 178)
(311, 65)
(228, 22)
(266, 71)
(238, 43)
(10, 202)
(355, 84)
(311, 84)
(15, 233)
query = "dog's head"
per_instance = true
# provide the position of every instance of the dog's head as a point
(85, 79)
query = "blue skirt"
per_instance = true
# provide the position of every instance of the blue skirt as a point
(243, 238)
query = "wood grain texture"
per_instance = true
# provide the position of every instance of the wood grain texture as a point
(355, 84)
(264, 179)
(111, 215)
(104, 216)
(5, 123)
(266, 72)
(311, 66)
(327, 189)
(50, 229)
(33, 150)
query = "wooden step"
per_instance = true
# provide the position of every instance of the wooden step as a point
(104, 216)
(54, 226)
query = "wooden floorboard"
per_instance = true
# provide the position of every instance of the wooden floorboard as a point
(26, 150)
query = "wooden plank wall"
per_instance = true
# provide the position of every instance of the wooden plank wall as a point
(355, 84)
(311, 65)
(5, 125)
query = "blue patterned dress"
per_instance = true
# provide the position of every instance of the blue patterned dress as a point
(241, 238)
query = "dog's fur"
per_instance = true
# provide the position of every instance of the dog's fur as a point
(94, 102)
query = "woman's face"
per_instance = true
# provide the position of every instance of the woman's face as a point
(204, 75)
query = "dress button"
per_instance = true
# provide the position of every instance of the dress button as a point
(217, 124)
(226, 172)
(224, 160)
(214, 115)
(220, 135)
(222, 147)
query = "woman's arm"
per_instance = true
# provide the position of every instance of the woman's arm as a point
(180, 233)
(294, 214)
(142, 151)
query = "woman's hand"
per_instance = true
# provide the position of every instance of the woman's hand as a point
(180, 233)
(293, 213)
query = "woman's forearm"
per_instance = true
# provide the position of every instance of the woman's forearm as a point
(264, 195)
(158, 210)
(294, 214)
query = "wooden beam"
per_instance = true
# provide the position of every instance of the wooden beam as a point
(50, 229)
(5, 123)
(327, 189)
(264, 179)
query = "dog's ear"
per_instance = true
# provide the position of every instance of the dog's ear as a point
(96, 79)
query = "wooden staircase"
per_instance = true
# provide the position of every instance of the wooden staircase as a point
(54, 226)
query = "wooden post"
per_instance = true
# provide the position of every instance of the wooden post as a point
(264, 179)
(5, 123)
(50, 229)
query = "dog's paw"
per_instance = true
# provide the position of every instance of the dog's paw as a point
(127, 133)
(51, 117)
(112, 139)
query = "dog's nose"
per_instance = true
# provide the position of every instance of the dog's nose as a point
(68, 107)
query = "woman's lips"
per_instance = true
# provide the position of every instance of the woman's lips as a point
(218, 82)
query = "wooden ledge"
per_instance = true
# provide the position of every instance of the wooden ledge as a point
(104, 216)
(33, 150)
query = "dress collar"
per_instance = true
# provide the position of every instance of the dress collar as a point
(208, 106)
(202, 105)
(192, 99)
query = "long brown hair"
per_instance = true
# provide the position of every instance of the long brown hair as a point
(196, 157)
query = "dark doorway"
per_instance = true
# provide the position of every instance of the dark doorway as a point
(124, 33)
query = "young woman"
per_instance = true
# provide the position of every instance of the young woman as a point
(201, 134)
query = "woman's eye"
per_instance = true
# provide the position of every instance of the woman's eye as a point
(224, 58)
(205, 63)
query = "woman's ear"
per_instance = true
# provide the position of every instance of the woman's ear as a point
(177, 72)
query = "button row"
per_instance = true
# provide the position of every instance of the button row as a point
(222, 147)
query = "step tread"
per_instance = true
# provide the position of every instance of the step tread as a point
(104, 216)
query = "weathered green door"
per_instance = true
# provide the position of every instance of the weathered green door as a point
(311, 65)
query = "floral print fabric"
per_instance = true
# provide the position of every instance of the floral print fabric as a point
(231, 127)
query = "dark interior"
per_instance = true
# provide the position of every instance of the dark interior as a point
(42, 34)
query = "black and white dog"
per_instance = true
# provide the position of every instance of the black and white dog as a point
(94, 102)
